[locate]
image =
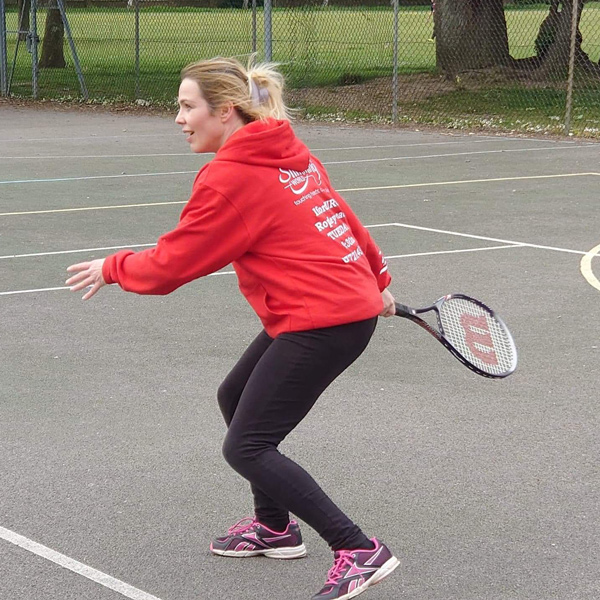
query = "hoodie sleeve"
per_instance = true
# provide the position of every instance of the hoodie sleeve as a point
(211, 234)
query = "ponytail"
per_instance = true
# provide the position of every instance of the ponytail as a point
(256, 92)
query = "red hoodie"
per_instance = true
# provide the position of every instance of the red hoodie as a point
(265, 204)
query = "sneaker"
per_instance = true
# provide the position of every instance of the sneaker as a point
(249, 538)
(354, 571)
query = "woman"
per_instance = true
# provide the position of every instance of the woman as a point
(309, 269)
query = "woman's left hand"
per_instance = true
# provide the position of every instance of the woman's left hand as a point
(88, 274)
(389, 305)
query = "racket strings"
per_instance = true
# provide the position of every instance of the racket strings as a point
(477, 335)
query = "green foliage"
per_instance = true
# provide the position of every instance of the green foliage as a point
(312, 52)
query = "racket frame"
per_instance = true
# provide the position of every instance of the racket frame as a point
(411, 314)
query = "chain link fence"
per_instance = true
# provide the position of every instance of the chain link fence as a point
(506, 66)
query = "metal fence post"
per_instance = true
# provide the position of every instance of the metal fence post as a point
(268, 30)
(253, 26)
(33, 40)
(63, 15)
(137, 49)
(3, 55)
(569, 107)
(395, 67)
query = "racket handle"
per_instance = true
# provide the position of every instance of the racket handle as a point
(403, 311)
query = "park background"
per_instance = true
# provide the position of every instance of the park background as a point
(469, 64)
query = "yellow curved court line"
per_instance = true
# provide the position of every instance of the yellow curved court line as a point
(586, 267)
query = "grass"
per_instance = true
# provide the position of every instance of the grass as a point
(317, 47)
(509, 109)
(501, 110)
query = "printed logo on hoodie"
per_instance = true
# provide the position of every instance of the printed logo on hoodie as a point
(297, 181)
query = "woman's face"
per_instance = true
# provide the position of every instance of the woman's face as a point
(206, 131)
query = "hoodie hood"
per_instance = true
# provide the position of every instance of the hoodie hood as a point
(269, 143)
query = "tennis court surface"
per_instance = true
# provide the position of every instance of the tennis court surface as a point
(113, 483)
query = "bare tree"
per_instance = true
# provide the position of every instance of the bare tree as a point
(554, 39)
(53, 56)
(470, 34)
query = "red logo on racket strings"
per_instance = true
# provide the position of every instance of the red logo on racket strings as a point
(478, 338)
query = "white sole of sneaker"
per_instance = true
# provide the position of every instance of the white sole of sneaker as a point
(385, 570)
(279, 553)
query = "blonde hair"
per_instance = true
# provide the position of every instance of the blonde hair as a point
(256, 92)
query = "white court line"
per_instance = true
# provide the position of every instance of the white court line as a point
(73, 565)
(340, 162)
(344, 190)
(340, 149)
(92, 177)
(57, 252)
(463, 181)
(91, 137)
(81, 250)
(455, 251)
(471, 153)
(506, 243)
(490, 239)
(127, 134)
(17, 292)
(63, 156)
(53, 289)
(84, 208)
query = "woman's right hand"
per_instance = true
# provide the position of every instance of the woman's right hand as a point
(389, 304)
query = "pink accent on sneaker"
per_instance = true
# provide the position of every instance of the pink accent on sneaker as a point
(248, 537)
(356, 570)
(277, 532)
(244, 546)
(343, 559)
(242, 525)
(375, 556)
(276, 538)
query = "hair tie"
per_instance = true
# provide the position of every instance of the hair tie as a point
(259, 95)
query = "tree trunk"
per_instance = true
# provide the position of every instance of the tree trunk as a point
(553, 42)
(52, 47)
(470, 34)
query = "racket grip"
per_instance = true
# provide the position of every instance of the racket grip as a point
(402, 310)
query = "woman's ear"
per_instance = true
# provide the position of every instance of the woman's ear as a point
(226, 112)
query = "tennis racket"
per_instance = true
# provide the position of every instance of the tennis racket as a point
(471, 331)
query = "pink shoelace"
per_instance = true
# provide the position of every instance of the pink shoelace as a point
(243, 525)
(342, 560)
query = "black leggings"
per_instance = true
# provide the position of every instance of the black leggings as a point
(268, 392)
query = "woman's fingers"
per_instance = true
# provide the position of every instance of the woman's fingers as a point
(80, 284)
(78, 267)
(87, 275)
(77, 278)
(94, 289)
(389, 306)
